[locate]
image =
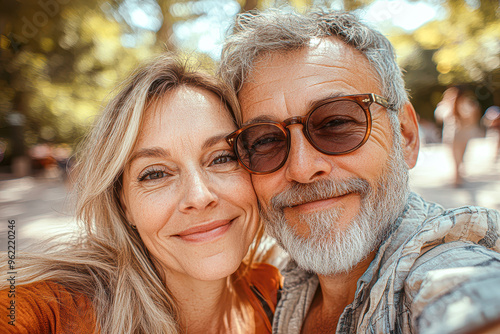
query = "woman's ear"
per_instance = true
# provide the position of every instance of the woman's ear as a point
(409, 131)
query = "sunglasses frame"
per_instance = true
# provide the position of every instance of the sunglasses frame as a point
(363, 100)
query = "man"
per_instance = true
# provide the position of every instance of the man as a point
(328, 134)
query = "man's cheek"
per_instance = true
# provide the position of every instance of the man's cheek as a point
(263, 192)
(263, 204)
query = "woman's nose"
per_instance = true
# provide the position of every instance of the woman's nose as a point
(197, 193)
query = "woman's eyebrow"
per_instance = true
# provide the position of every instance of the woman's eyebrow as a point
(214, 140)
(149, 152)
(155, 152)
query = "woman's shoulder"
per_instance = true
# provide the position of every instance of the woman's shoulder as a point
(263, 285)
(267, 280)
(46, 307)
(50, 293)
(264, 274)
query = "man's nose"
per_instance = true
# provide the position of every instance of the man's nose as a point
(305, 164)
(197, 194)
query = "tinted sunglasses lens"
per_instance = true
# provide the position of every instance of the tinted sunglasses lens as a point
(262, 147)
(338, 126)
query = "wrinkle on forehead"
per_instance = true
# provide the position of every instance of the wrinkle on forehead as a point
(321, 48)
(325, 65)
(251, 82)
(252, 102)
(321, 83)
(319, 68)
(322, 53)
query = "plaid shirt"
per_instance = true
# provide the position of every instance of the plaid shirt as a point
(438, 272)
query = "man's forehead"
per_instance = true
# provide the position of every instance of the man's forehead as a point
(325, 63)
(320, 51)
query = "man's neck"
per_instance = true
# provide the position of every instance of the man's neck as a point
(334, 294)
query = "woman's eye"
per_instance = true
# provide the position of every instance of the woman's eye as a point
(224, 159)
(153, 175)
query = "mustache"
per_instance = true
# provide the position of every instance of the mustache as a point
(301, 193)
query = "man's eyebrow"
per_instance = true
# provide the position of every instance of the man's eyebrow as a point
(309, 106)
(314, 103)
(258, 119)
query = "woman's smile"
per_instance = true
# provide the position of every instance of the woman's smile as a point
(206, 232)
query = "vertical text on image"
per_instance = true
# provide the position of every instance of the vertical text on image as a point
(11, 273)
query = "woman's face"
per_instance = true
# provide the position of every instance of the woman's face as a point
(193, 206)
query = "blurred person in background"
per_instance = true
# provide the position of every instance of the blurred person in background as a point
(62, 155)
(459, 112)
(168, 215)
(329, 134)
(43, 161)
(491, 120)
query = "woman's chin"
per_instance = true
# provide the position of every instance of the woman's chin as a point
(205, 261)
(216, 268)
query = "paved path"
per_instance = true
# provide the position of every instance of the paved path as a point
(41, 207)
(433, 175)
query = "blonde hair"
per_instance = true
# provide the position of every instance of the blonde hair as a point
(109, 262)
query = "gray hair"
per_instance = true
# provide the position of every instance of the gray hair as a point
(275, 30)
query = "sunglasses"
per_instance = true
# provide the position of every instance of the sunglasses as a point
(336, 126)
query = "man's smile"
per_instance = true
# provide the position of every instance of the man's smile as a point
(320, 205)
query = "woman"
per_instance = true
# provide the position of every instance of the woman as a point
(169, 216)
(459, 112)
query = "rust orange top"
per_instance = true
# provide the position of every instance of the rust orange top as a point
(48, 307)
(263, 283)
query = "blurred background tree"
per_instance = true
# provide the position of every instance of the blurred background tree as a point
(61, 58)
(461, 48)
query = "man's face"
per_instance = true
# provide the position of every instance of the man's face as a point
(338, 190)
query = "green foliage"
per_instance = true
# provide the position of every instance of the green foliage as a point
(462, 48)
(61, 58)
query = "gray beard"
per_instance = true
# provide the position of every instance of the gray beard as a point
(328, 250)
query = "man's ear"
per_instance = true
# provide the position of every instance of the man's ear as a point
(409, 131)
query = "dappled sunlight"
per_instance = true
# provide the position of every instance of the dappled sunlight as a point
(407, 15)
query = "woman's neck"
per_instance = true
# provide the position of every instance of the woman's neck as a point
(209, 306)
